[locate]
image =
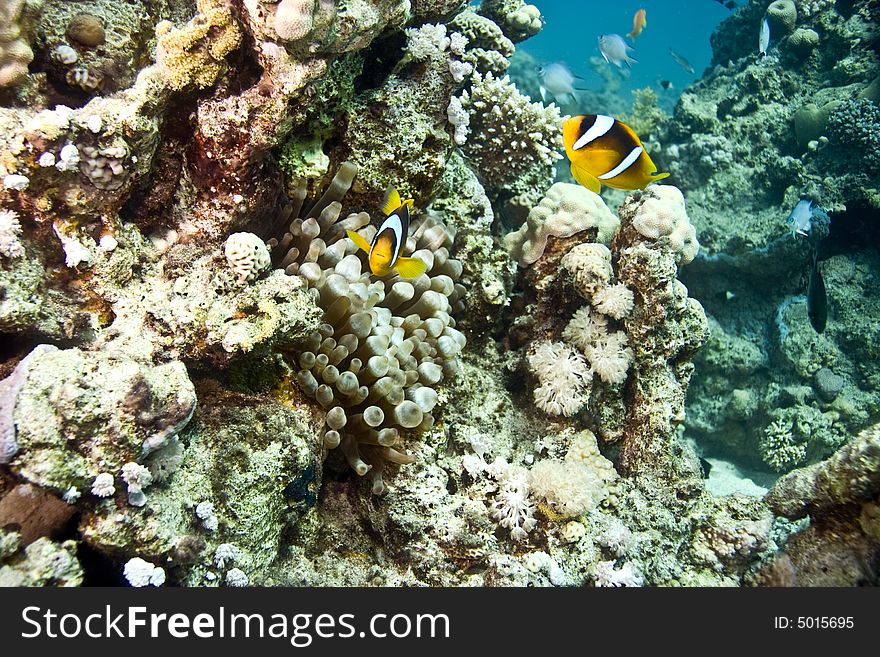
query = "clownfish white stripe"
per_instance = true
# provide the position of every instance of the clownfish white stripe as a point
(624, 165)
(396, 225)
(600, 127)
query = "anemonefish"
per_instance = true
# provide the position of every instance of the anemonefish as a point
(384, 253)
(605, 151)
(640, 22)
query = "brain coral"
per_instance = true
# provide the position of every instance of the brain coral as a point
(247, 255)
(15, 53)
(565, 210)
(782, 14)
(662, 215)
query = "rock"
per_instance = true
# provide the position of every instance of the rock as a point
(828, 384)
(33, 513)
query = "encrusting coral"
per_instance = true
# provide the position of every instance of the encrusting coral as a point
(15, 52)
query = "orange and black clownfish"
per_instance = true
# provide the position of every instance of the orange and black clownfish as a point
(605, 151)
(384, 253)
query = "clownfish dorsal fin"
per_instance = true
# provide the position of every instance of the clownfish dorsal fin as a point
(391, 202)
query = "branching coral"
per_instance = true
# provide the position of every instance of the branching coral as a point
(514, 142)
(518, 19)
(10, 231)
(488, 49)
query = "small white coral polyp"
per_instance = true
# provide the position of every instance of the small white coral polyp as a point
(513, 509)
(585, 328)
(616, 301)
(610, 357)
(564, 376)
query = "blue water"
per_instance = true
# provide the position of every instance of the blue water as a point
(571, 31)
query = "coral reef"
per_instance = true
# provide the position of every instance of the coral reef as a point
(203, 384)
(841, 543)
(746, 144)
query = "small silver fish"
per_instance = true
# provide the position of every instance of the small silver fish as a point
(681, 61)
(614, 49)
(800, 221)
(557, 81)
(764, 37)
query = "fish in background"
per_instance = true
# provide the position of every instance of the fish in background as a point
(800, 220)
(640, 22)
(730, 4)
(666, 84)
(614, 49)
(605, 151)
(384, 253)
(817, 298)
(557, 81)
(764, 37)
(681, 61)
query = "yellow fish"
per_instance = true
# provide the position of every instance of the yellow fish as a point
(605, 151)
(640, 22)
(384, 253)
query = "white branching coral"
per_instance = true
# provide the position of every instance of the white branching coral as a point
(136, 477)
(141, 573)
(610, 357)
(205, 513)
(427, 41)
(247, 255)
(514, 142)
(10, 230)
(458, 119)
(225, 553)
(103, 485)
(604, 574)
(564, 378)
(513, 509)
(236, 577)
(615, 300)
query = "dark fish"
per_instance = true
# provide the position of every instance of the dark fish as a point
(706, 467)
(730, 4)
(666, 84)
(817, 299)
